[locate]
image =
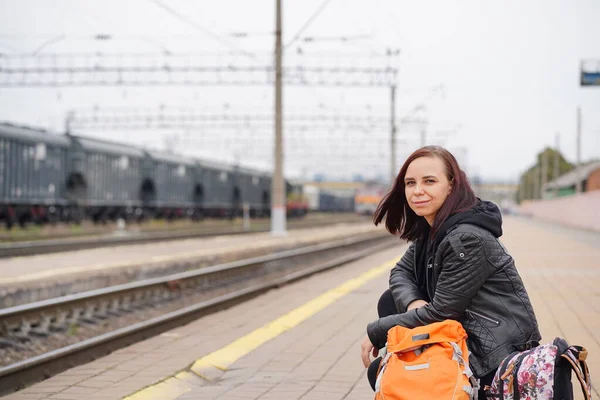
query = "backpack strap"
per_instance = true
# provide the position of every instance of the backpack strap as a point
(515, 373)
(382, 367)
(577, 363)
(472, 390)
(505, 369)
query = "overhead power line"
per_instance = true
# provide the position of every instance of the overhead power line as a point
(252, 120)
(307, 39)
(54, 70)
(8, 46)
(202, 29)
(308, 22)
(48, 43)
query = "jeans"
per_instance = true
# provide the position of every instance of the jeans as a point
(385, 307)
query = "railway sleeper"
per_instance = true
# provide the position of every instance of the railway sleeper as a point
(42, 328)
(6, 343)
(102, 310)
(59, 324)
(114, 308)
(74, 316)
(125, 305)
(20, 331)
(88, 315)
(140, 303)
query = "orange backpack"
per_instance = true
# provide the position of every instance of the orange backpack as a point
(427, 362)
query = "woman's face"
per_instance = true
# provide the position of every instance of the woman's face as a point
(426, 186)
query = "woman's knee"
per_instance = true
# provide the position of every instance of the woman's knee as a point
(372, 372)
(386, 305)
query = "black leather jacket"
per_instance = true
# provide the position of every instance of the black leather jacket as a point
(471, 279)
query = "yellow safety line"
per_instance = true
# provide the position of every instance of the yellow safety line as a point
(209, 366)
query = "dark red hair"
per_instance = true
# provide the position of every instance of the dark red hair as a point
(401, 219)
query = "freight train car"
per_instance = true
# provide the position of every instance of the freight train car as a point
(48, 177)
(335, 202)
(32, 173)
(330, 200)
(254, 188)
(216, 192)
(104, 180)
(173, 180)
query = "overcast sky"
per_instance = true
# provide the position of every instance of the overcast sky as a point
(509, 70)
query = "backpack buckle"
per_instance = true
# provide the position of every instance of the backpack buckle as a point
(530, 345)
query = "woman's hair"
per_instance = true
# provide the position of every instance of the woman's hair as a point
(401, 219)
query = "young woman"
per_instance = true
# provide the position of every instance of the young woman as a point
(455, 267)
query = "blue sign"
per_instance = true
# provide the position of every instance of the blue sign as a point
(590, 78)
(590, 73)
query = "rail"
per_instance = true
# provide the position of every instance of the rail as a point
(209, 289)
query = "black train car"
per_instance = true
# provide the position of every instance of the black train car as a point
(255, 189)
(104, 179)
(216, 193)
(46, 177)
(33, 164)
(174, 179)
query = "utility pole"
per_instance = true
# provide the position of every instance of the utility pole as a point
(69, 122)
(556, 165)
(577, 170)
(278, 209)
(536, 183)
(544, 176)
(521, 192)
(423, 135)
(393, 136)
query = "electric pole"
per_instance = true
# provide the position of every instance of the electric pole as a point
(69, 122)
(556, 165)
(535, 183)
(577, 170)
(278, 205)
(423, 135)
(544, 176)
(393, 136)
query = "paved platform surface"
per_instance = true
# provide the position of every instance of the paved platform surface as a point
(314, 353)
(19, 271)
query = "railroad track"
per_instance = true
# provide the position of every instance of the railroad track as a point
(167, 302)
(54, 246)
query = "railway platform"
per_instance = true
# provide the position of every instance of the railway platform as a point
(33, 278)
(302, 340)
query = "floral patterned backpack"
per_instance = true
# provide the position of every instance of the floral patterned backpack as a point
(543, 372)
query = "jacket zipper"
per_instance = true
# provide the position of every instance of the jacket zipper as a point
(485, 317)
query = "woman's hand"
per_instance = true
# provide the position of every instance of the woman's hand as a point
(365, 348)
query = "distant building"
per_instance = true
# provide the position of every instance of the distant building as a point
(319, 177)
(502, 194)
(331, 196)
(358, 178)
(565, 185)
